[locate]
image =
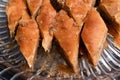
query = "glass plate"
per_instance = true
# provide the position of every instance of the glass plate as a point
(108, 67)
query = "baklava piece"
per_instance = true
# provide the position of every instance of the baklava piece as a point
(67, 35)
(28, 39)
(46, 21)
(110, 10)
(94, 35)
(14, 10)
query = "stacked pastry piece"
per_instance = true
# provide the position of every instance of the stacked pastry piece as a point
(97, 30)
(40, 17)
(110, 10)
(27, 31)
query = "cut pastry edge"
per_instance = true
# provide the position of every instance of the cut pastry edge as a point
(69, 7)
(72, 60)
(70, 52)
(46, 20)
(15, 17)
(47, 47)
(29, 55)
(31, 6)
(74, 64)
(94, 48)
(23, 16)
(94, 59)
(110, 12)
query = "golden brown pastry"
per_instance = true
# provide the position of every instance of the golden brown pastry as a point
(110, 9)
(14, 11)
(28, 39)
(94, 35)
(46, 20)
(34, 6)
(67, 35)
(79, 9)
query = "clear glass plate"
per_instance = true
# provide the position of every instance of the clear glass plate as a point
(108, 67)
